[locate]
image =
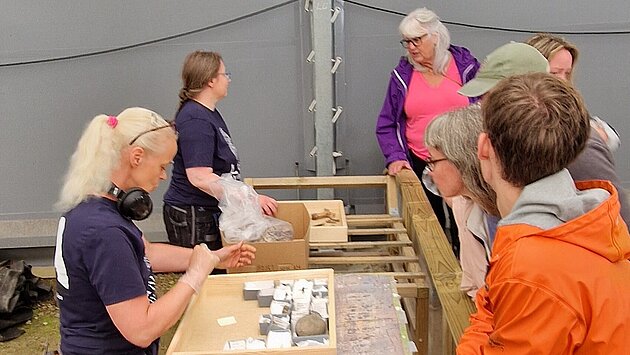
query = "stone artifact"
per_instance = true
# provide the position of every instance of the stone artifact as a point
(312, 324)
(325, 214)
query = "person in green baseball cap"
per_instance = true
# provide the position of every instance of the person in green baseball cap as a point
(510, 59)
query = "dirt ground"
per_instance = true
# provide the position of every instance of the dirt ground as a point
(42, 332)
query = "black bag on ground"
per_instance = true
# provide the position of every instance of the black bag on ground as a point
(19, 291)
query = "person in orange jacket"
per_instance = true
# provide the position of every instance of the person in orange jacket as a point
(559, 276)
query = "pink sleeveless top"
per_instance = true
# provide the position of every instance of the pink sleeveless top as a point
(424, 102)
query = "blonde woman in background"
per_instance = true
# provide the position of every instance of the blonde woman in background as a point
(562, 56)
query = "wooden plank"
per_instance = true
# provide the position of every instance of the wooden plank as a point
(397, 275)
(418, 308)
(384, 217)
(326, 260)
(372, 222)
(421, 333)
(411, 315)
(375, 231)
(445, 273)
(417, 312)
(357, 245)
(413, 290)
(345, 254)
(391, 197)
(416, 203)
(315, 182)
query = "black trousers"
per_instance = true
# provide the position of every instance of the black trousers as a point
(191, 225)
(442, 211)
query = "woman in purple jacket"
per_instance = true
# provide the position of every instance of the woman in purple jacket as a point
(422, 86)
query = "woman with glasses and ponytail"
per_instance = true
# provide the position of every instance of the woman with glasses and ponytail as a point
(104, 265)
(205, 152)
(422, 86)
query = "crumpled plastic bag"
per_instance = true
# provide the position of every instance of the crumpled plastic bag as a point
(242, 219)
(277, 230)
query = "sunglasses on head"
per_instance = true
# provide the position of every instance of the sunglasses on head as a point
(170, 124)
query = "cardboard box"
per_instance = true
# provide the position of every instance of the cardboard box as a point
(279, 256)
(221, 296)
(327, 233)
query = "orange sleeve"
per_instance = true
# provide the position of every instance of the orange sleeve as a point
(521, 318)
(480, 326)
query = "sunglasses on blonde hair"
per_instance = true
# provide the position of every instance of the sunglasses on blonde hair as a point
(170, 124)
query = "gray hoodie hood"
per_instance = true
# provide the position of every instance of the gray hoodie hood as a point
(552, 201)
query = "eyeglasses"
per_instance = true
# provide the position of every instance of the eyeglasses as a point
(170, 124)
(431, 162)
(415, 41)
(228, 75)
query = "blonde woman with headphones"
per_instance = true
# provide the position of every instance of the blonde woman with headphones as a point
(104, 265)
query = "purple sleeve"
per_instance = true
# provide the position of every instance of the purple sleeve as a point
(387, 130)
(471, 75)
(113, 267)
(197, 141)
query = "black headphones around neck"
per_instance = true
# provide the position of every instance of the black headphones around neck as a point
(134, 204)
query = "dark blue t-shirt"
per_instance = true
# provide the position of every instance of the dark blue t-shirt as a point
(100, 261)
(203, 141)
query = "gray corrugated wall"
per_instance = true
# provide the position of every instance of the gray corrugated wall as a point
(44, 107)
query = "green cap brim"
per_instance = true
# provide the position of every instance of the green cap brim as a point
(478, 86)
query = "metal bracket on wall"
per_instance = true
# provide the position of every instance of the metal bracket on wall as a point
(338, 110)
(335, 155)
(307, 5)
(336, 13)
(336, 165)
(335, 66)
(312, 106)
(310, 57)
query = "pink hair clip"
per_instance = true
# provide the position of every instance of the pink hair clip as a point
(112, 121)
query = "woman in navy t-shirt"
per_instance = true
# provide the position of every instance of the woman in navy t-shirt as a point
(205, 152)
(104, 265)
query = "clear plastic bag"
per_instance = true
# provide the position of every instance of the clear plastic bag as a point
(242, 219)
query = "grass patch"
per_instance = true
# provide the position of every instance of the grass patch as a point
(42, 332)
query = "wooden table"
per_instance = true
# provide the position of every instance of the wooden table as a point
(379, 242)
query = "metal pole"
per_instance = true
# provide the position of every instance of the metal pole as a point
(322, 36)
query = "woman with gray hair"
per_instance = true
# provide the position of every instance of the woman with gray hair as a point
(451, 140)
(422, 86)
